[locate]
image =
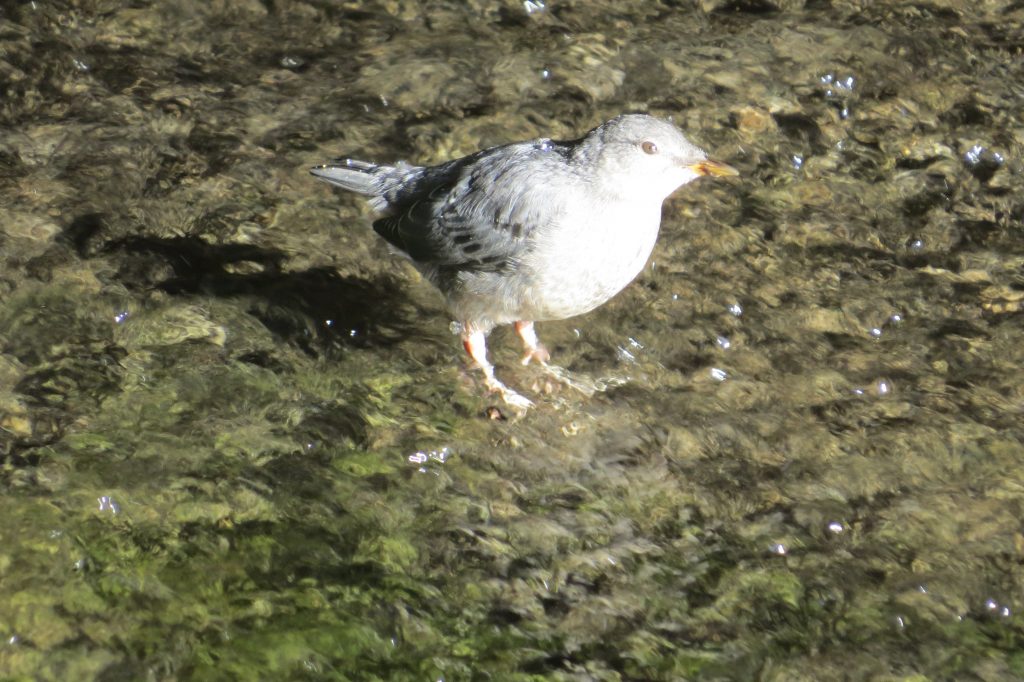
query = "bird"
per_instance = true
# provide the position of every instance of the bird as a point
(530, 231)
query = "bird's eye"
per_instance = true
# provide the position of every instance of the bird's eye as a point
(649, 147)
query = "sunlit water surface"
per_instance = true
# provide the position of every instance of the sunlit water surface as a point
(240, 442)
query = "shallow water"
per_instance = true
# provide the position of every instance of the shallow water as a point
(240, 442)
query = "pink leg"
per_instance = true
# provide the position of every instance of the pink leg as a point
(535, 350)
(475, 343)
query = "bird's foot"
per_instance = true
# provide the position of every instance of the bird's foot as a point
(512, 398)
(538, 353)
(475, 342)
(535, 350)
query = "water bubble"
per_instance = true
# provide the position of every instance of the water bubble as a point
(532, 6)
(844, 84)
(973, 155)
(121, 317)
(798, 161)
(779, 549)
(723, 342)
(736, 309)
(108, 503)
(719, 374)
(835, 527)
(422, 457)
(983, 162)
(876, 332)
(545, 74)
(291, 62)
(899, 622)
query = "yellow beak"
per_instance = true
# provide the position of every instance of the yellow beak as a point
(709, 167)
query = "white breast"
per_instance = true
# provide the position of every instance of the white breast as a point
(591, 257)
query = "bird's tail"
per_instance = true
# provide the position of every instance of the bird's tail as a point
(361, 177)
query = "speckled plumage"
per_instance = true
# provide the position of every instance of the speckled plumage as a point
(536, 230)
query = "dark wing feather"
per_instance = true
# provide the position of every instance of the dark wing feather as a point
(478, 212)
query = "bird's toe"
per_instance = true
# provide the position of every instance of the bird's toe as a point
(538, 353)
(511, 397)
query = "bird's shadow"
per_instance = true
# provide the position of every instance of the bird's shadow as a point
(318, 310)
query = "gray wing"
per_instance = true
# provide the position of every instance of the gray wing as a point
(480, 212)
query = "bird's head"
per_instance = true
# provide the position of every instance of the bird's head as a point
(636, 155)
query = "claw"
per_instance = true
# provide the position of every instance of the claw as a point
(475, 343)
(511, 397)
(541, 355)
(535, 350)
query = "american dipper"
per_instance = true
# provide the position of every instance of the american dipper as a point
(538, 230)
